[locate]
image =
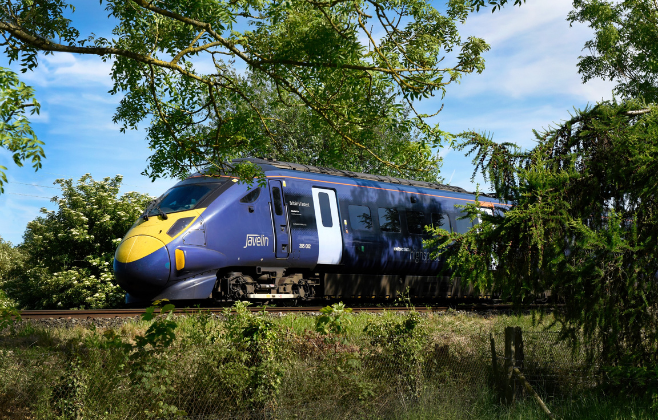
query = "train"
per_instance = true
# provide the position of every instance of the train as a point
(303, 233)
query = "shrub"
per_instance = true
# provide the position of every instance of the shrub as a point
(400, 345)
(11, 265)
(68, 252)
(333, 319)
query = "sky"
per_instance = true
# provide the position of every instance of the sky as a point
(530, 82)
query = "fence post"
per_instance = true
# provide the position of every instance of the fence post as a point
(519, 355)
(509, 354)
(531, 391)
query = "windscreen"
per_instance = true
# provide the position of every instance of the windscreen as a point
(185, 197)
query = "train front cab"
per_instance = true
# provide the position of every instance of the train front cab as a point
(151, 254)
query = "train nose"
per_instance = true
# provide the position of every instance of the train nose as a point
(142, 265)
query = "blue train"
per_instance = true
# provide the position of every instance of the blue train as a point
(311, 233)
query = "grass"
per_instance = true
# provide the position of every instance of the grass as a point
(441, 370)
(443, 324)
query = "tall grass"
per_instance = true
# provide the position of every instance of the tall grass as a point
(384, 366)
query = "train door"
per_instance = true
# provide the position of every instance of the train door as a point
(493, 259)
(280, 222)
(327, 225)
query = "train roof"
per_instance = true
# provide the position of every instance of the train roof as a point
(271, 164)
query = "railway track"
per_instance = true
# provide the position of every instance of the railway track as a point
(128, 313)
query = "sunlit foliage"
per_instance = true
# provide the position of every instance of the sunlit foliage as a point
(357, 67)
(69, 251)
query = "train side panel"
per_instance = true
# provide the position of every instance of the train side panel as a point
(362, 237)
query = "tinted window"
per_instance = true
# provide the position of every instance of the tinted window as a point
(389, 220)
(326, 214)
(277, 201)
(360, 217)
(178, 226)
(440, 220)
(463, 225)
(252, 196)
(183, 198)
(415, 221)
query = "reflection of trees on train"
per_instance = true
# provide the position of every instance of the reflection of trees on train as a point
(440, 220)
(389, 220)
(366, 220)
(415, 220)
(360, 217)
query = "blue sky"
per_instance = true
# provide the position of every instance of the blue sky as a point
(530, 82)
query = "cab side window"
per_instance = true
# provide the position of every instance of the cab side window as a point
(389, 220)
(252, 196)
(277, 201)
(360, 217)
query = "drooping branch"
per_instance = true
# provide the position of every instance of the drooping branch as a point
(325, 68)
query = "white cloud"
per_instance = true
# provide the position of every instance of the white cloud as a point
(66, 70)
(511, 23)
(105, 99)
(534, 52)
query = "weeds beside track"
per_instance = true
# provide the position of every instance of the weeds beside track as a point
(129, 313)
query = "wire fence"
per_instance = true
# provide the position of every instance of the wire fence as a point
(302, 377)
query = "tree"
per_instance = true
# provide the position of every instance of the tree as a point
(625, 47)
(11, 265)
(16, 134)
(69, 252)
(583, 219)
(296, 134)
(583, 223)
(338, 59)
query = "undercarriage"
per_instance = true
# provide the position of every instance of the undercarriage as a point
(265, 283)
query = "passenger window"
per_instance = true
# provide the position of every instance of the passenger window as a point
(463, 225)
(360, 217)
(252, 196)
(326, 214)
(389, 220)
(440, 220)
(277, 201)
(415, 221)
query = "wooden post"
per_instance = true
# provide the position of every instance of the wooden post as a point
(519, 355)
(531, 391)
(509, 354)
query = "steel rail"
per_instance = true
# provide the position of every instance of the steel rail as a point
(128, 313)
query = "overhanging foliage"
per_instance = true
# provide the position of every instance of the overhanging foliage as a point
(583, 224)
(179, 64)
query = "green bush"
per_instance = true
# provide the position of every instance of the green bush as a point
(12, 260)
(254, 340)
(333, 319)
(250, 365)
(401, 345)
(67, 254)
